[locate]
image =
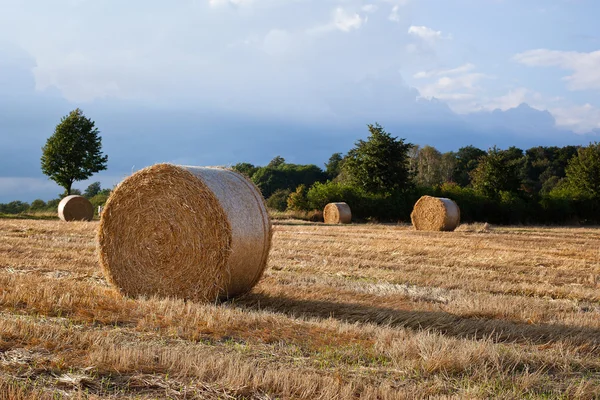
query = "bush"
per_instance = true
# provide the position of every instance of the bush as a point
(298, 201)
(14, 207)
(286, 176)
(394, 206)
(279, 200)
(99, 200)
(37, 205)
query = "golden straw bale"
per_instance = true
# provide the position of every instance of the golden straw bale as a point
(190, 232)
(435, 214)
(337, 213)
(75, 208)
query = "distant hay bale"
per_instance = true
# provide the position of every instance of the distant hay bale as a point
(435, 214)
(196, 233)
(337, 213)
(75, 208)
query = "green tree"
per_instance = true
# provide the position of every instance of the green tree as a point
(583, 173)
(545, 166)
(286, 176)
(37, 204)
(428, 167)
(14, 207)
(74, 151)
(276, 162)
(499, 171)
(467, 159)
(245, 168)
(380, 164)
(298, 201)
(278, 200)
(448, 166)
(92, 190)
(334, 165)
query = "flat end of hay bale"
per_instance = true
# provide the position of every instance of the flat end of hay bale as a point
(337, 213)
(435, 214)
(75, 208)
(187, 232)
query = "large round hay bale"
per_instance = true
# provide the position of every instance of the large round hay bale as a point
(337, 213)
(435, 214)
(75, 208)
(189, 232)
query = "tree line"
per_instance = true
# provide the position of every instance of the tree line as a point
(382, 177)
(94, 193)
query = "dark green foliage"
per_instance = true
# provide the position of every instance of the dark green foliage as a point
(52, 204)
(498, 171)
(334, 166)
(380, 164)
(73, 192)
(37, 205)
(544, 167)
(74, 151)
(393, 206)
(276, 162)
(92, 190)
(286, 176)
(467, 159)
(245, 168)
(278, 200)
(14, 207)
(583, 173)
(99, 200)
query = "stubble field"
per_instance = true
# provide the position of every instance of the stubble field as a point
(359, 311)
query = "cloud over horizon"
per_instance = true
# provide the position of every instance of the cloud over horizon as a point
(170, 76)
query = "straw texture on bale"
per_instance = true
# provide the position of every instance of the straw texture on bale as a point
(189, 232)
(75, 208)
(337, 213)
(435, 214)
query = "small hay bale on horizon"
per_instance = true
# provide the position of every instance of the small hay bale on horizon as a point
(75, 208)
(196, 233)
(337, 213)
(435, 214)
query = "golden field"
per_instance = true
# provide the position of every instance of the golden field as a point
(355, 311)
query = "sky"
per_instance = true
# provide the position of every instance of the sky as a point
(216, 82)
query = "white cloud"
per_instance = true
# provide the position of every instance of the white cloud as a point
(458, 70)
(512, 99)
(345, 21)
(579, 118)
(585, 66)
(427, 34)
(342, 20)
(394, 16)
(277, 42)
(217, 3)
(455, 87)
(369, 8)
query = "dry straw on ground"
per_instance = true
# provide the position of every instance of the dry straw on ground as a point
(75, 208)
(337, 213)
(188, 232)
(435, 214)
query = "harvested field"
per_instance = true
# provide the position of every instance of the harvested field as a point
(348, 311)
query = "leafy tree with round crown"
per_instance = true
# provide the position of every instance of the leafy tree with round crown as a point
(380, 164)
(74, 151)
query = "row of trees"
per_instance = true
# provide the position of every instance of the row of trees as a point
(93, 192)
(380, 177)
(383, 176)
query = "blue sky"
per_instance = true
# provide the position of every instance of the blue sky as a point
(215, 82)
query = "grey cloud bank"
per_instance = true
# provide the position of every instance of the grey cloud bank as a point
(216, 83)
